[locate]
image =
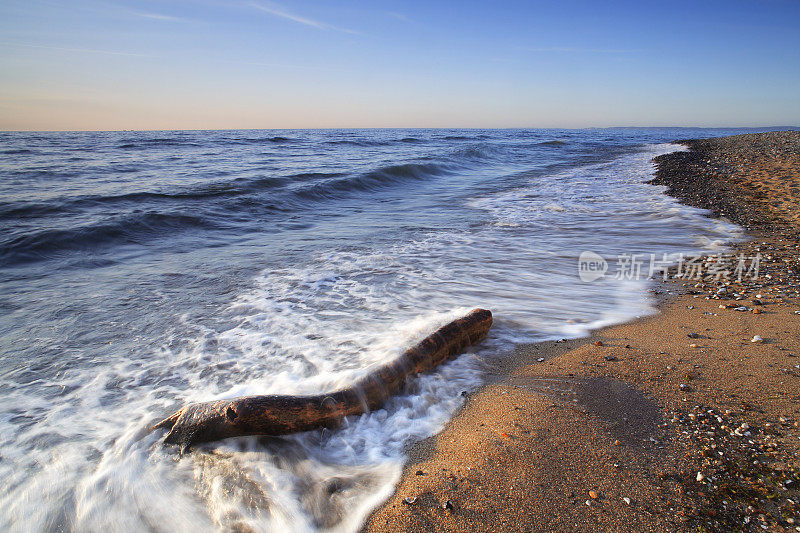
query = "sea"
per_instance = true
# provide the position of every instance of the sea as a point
(141, 271)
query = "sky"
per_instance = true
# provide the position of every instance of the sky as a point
(211, 64)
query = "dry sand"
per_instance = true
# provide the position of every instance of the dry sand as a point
(673, 422)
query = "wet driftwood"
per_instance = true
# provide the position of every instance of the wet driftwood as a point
(280, 415)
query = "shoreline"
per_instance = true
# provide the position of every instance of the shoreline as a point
(639, 427)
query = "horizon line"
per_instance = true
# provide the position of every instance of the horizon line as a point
(332, 128)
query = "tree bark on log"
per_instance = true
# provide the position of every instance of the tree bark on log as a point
(281, 415)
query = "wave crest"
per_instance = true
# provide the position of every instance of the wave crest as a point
(131, 229)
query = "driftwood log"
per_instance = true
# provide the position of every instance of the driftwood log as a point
(281, 415)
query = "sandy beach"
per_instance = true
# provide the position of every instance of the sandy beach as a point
(686, 420)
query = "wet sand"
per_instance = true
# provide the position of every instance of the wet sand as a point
(673, 422)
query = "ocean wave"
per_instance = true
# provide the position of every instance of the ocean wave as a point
(132, 229)
(477, 152)
(28, 210)
(552, 143)
(16, 151)
(465, 137)
(367, 142)
(364, 143)
(374, 180)
(237, 187)
(139, 228)
(25, 210)
(257, 140)
(128, 144)
(303, 176)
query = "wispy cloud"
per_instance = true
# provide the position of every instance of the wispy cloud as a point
(566, 49)
(280, 11)
(78, 50)
(159, 16)
(398, 16)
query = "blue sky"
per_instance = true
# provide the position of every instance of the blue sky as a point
(196, 64)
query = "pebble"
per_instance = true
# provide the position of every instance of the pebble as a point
(626, 500)
(593, 495)
(540, 359)
(700, 477)
(410, 499)
(756, 338)
(693, 345)
(598, 343)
